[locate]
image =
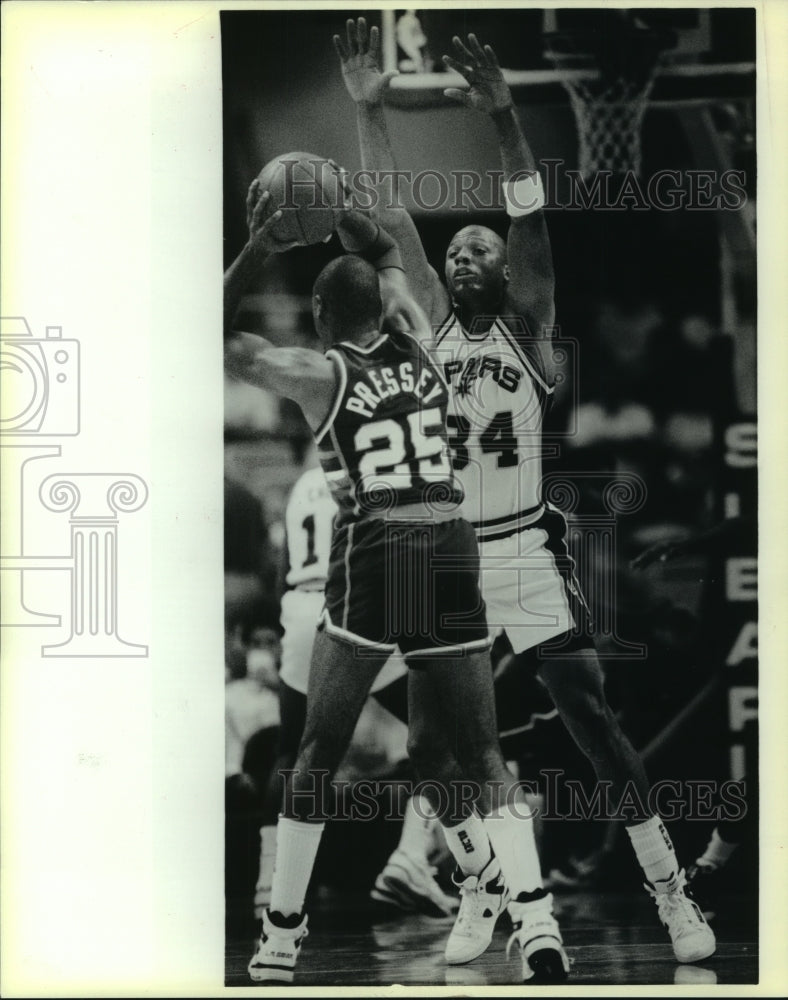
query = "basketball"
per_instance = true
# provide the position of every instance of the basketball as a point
(306, 188)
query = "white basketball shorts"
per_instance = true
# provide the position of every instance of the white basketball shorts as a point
(529, 587)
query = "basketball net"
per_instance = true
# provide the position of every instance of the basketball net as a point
(609, 109)
(609, 120)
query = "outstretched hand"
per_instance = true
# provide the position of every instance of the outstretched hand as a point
(359, 58)
(262, 235)
(489, 92)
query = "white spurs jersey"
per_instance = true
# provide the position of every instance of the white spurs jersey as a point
(309, 522)
(499, 396)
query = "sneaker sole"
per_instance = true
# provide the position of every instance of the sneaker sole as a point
(268, 975)
(699, 956)
(474, 955)
(464, 959)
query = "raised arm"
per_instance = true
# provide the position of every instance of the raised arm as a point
(401, 311)
(261, 244)
(530, 291)
(305, 376)
(358, 55)
(295, 372)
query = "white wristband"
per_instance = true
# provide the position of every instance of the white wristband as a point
(524, 195)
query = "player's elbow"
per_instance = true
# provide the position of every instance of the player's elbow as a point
(545, 312)
(235, 357)
(295, 372)
(536, 310)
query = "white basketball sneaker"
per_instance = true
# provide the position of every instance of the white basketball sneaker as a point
(538, 937)
(277, 951)
(410, 885)
(483, 899)
(693, 939)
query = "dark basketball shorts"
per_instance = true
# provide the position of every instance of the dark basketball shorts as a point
(408, 585)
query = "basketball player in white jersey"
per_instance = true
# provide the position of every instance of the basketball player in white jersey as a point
(496, 303)
(407, 881)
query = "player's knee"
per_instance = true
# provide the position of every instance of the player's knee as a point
(424, 754)
(590, 707)
(592, 723)
(480, 760)
(418, 752)
(599, 714)
(320, 751)
(288, 745)
(578, 692)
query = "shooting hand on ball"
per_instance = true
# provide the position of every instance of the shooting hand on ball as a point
(262, 242)
(359, 58)
(489, 92)
(252, 199)
(262, 235)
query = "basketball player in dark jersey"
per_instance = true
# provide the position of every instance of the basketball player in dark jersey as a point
(488, 318)
(408, 880)
(403, 572)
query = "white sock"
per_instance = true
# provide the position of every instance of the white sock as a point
(512, 837)
(469, 844)
(296, 850)
(717, 851)
(417, 828)
(267, 857)
(654, 850)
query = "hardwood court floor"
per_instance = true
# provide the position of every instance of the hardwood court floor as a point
(611, 939)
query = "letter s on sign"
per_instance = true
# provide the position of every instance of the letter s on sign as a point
(741, 446)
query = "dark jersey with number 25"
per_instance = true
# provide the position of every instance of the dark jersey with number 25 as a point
(383, 443)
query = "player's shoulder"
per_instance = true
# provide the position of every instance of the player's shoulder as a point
(310, 487)
(446, 324)
(355, 356)
(302, 361)
(399, 341)
(310, 478)
(514, 322)
(531, 346)
(392, 346)
(405, 343)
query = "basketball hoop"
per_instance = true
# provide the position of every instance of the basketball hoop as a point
(608, 80)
